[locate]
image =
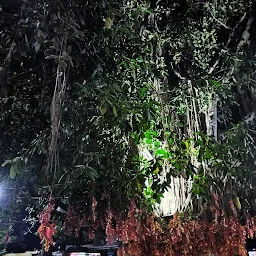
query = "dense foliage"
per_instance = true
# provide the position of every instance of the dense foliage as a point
(109, 101)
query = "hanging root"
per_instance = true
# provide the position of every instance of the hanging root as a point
(56, 109)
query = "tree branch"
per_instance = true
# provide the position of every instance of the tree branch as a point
(246, 34)
(228, 42)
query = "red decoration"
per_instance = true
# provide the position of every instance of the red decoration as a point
(47, 229)
(142, 235)
(46, 232)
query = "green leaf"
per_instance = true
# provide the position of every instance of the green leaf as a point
(147, 135)
(6, 163)
(170, 141)
(114, 111)
(157, 144)
(78, 172)
(139, 187)
(198, 143)
(142, 92)
(103, 109)
(156, 171)
(13, 171)
(215, 83)
(108, 23)
(37, 46)
(149, 141)
(158, 198)
(162, 153)
(208, 154)
(20, 164)
(91, 172)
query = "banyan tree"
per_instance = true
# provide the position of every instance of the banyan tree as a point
(137, 117)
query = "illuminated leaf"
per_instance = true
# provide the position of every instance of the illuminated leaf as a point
(103, 109)
(237, 203)
(13, 171)
(156, 171)
(114, 111)
(108, 23)
(6, 163)
(139, 187)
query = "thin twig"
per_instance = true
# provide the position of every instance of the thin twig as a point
(220, 22)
